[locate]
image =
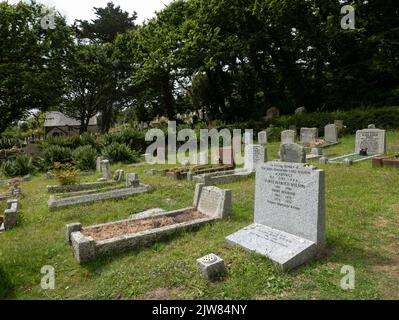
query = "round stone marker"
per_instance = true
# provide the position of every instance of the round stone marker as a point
(210, 258)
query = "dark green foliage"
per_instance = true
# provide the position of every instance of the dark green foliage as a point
(72, 142)
(134, 139)
(84, 157)
(56, 153)
(20, 166)
(117, 152)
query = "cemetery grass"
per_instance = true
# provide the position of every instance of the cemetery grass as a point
(362, 223)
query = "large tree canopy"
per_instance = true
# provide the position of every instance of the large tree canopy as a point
(31, 61)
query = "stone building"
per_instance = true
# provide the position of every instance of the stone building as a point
(59, 124)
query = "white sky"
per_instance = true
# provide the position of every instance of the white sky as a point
(83, 9)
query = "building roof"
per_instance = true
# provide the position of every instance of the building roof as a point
(58, 119)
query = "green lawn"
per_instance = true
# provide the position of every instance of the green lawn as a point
(362, 231)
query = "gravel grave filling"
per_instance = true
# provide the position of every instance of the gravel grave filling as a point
(127, 227)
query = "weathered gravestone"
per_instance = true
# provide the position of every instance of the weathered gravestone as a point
(262, 138)
(339, 124)
(300, 111)
(309, 135)
(374, 140)
(289, 222)
(331, 133)
(132, 180)
(119, 175)
(98, 163)
(292, 152)
(106, 170)
(255, 155)
(371, 126)
(213, 201)
(288, 136)
(271, 113)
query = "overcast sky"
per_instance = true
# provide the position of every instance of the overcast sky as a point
(83, 9)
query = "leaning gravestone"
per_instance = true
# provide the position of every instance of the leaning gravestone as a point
(132, 180)
(262, 138)
(331, 133)
(374, 140)
(309, 135)
(292, 152)
(289, 222)
(288, 136)
(255, 155)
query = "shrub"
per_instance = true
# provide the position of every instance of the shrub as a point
(355, 119)
(84, 157)
(55, 153)
(118, 152)
(20, 166)
(133, 138)
(67, 174)
(72, 142)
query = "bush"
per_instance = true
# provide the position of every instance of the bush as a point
(134, 139)
(55, 153)
(118, 152)
(85, 157)
(20, 166)
(67, 174)
(72, 142)
(355, 119)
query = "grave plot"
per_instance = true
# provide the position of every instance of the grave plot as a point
(133, 186)
(387, 161)
(210, 204)
(289, 221)
(188, 172)
(10, 218)
(97, 185)
(370, 143)
(255, 155)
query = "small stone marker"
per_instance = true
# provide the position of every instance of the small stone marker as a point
(132, 180)
(98, 163)
(331, 133)
(323, 160)
(211, 267)
(255, 155)
(106, 169)
(262, 138)
(271, 113)
(289, 220)
(292, 152)
(374, 140)
(309, 135)
(288, 136)
(300, 111)
(371, 126)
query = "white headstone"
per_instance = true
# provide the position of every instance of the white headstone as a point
(262, 138)
(309, 135)
(98, 163)
(374, 140)
(288, 136)
(255, 155)
(331, 133)
(106, 169)
(289, 222)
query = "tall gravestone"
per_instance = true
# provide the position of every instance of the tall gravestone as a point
(289, 220)
(292, 152)
(106, 169)
(262, 138)
(331, 133)
(309, 135)
(374, 140)
(288, 136)
(98, 163)
(255, 155)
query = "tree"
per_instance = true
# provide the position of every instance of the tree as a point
(110, 22)
(90, 82)
(31, 61)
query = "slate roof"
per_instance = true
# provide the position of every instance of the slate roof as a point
(58, 119)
